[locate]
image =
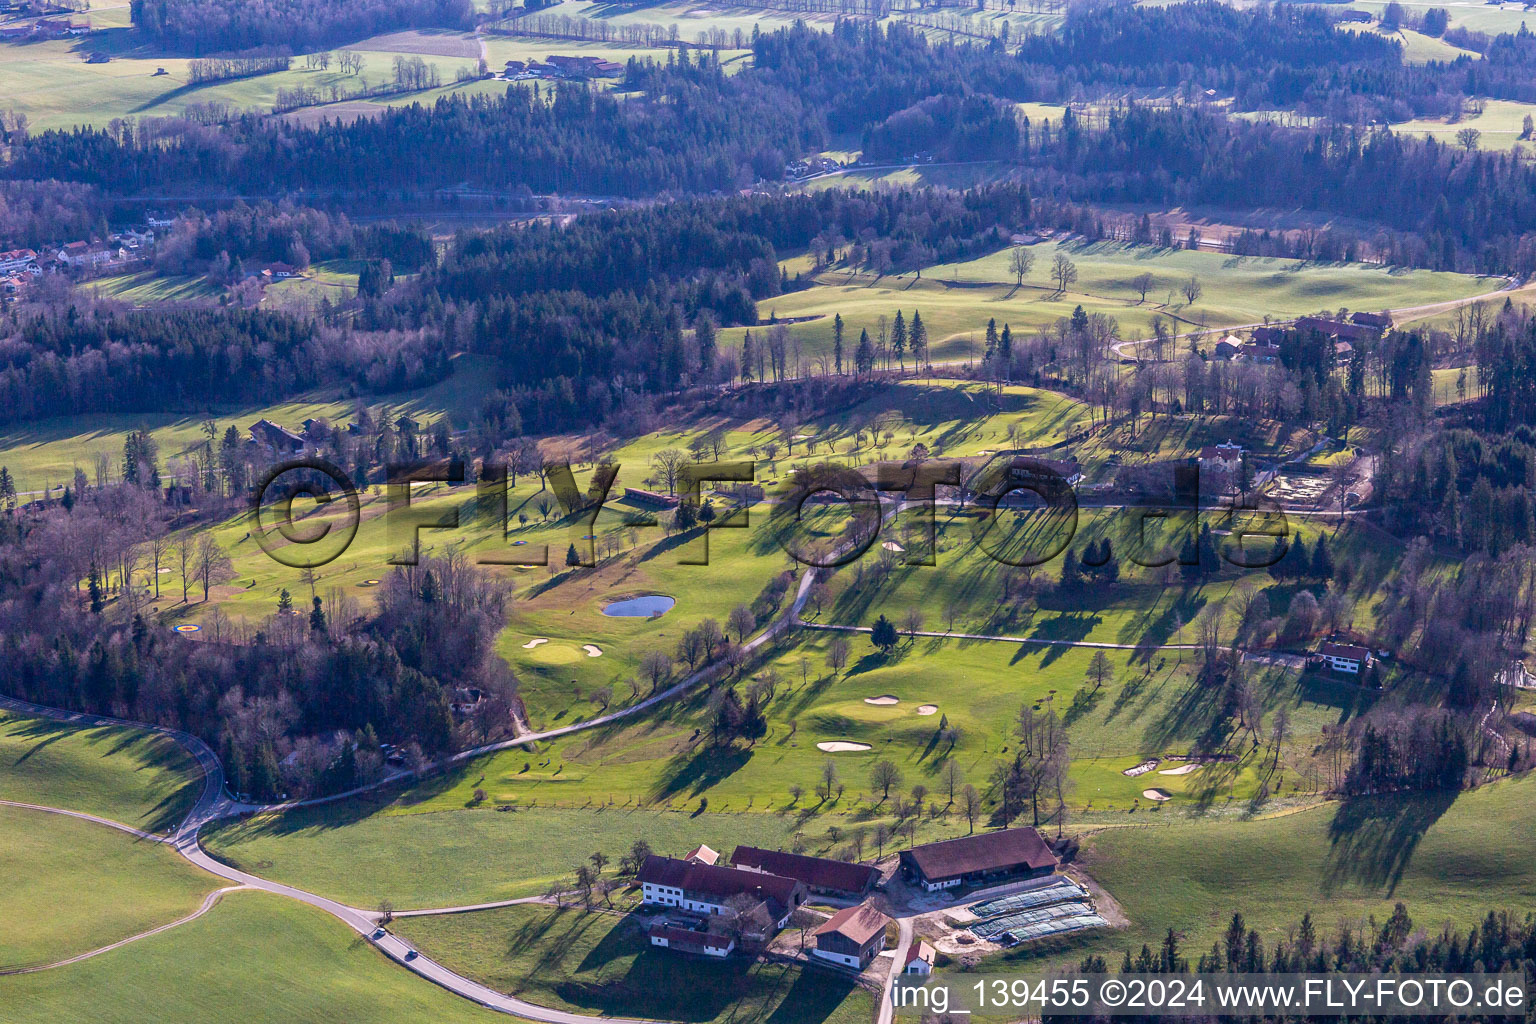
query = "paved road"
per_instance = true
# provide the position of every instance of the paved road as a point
(903, 941)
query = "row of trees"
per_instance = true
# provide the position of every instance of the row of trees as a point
(77, 360)
(300, 24)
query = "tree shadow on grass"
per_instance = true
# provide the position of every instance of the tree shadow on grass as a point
(662, 985)
(1372, 838)
(694, 772)
(184, 780)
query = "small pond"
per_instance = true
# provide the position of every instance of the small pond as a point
(640, 607)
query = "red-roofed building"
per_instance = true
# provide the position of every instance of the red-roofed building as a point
(852, 937)
(1350, 659)
(920, 957)
(16, 260)
(691, 937)
(708, 888)
(820, 874)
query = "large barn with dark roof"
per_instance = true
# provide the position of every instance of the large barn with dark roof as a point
(990, 857)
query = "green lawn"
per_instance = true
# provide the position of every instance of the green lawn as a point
(147, 287)
(359, 853)
(957, 299)
(255, 958)
(51, 83)
(1450, 858)
(138, 778)
(72, 886)
(601, 964)
(1500, 124)
(1493, 19)
(1418, 48)
(45, 453)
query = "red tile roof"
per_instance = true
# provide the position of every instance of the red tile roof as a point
(1347, 651)
(717, 881)
(919, 950)
(816, 872)
(857, 924)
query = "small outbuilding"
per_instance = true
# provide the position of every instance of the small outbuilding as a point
(852, 937)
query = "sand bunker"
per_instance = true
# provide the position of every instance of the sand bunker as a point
(883, 700)
(841, 746)
(369, 583)
(162, 572)
(928, 709)
(531, 644)
(1141, 769)
(1183, 769)
(1157, 794)
(593, 651)
(891, 545)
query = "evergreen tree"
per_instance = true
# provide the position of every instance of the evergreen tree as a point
(919, 338)
(748, 354)
(1322, 561)
(837, 343)
(864, 355)
(883, 635)
(899, 339)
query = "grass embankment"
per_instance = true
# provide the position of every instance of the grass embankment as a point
(255, 958)
(72, 886)
(1449, 858)
(136, 777)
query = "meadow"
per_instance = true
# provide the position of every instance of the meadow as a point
(957, 299)
(1451, 858)
(1418, 48)
(50, 82)
(1500, 124)
(602, 965)
(224, 966)
(45, 453)
(363, 851)
(1479, 17)
(73, 886)
(138, 778)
